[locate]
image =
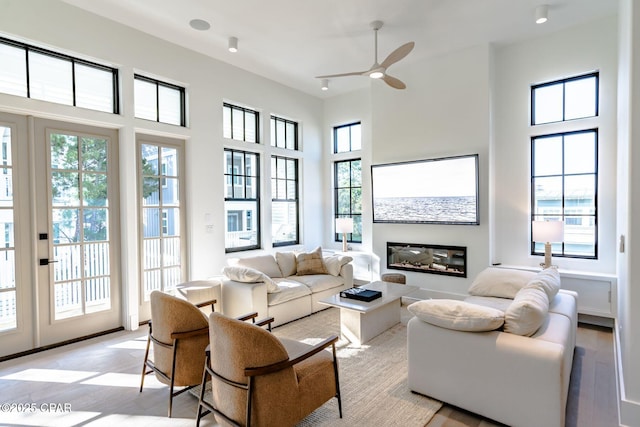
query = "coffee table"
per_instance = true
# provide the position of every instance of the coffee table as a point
(361, 321)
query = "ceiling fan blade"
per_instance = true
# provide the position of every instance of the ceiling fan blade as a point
(355, 73)
(393, 82)
(398, 54)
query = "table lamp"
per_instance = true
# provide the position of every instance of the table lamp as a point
(547, 231)
(344, 226)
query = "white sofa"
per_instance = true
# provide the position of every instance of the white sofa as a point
(516, 379)
(286, 286)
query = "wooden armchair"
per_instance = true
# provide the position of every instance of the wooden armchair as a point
(258, 379)
(180, 334)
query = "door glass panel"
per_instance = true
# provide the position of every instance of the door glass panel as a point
(80, 223)
(8, 311)
(160, 218)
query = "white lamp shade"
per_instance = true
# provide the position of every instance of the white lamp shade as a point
(344, 225)
(547, 231)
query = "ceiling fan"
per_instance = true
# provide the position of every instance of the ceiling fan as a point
(379, 71)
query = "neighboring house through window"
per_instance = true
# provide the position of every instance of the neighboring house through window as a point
(564, 165)
(348, 178)
(242, 200)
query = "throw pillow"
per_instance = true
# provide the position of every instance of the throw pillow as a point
(287, 263)
(457, 315)
(527, 312)
(265, 263)
(499, 282)
(310, 263)
(548, 280)
(250, 275)
(334, 263)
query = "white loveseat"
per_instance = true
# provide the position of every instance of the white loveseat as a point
(517, 373)
(285, 286)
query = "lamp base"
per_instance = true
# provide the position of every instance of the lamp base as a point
(547, 255)
(344, 242)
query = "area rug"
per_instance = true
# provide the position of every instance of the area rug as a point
(373, 377)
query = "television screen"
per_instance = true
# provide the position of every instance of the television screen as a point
(430, 191)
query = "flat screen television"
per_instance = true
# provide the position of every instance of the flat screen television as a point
(430, 191)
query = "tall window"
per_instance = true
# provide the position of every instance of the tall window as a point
(284, 133)
(159, 101)
(564, 165)
(242, 200)
(239, 123)
(37, 73)
(347, 138)
(161, 223)
(284, 203)
(348, 196)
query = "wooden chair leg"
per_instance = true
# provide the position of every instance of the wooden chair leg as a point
(335, 371)
(202, 411)
(144, 364)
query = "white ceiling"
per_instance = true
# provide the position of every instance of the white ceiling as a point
(292, 41)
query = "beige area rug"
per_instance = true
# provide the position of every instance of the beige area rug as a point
(373, 378)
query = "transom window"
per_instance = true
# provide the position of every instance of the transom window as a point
(242, 200)
(239, 123)
(348, 196)
(564, 165)
(37, 73)
(347, 138)
(284, 133)
(284, 203)
(159, 101)
(562, 100)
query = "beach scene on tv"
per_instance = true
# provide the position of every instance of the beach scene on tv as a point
(430, 191)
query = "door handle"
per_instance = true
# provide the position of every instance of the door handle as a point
(46, 261)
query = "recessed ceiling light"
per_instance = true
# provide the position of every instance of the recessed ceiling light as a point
(199, 24)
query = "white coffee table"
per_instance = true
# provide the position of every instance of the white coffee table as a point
(361, 321)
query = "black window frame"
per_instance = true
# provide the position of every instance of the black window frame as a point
(296, 199)
(335, 137)
(158, 83)
(244, 127)
(73, 60)
(357, 216)
(563, 215)
(274, 138)
(563, 82)
(233, 176)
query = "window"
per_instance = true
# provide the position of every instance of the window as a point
(8, 288)
(159, 101)
(348, 196)
(239, 123)
(284, 133)
(564, 165)
(347, 138)
(563, 100)
(32, 72)
(161, 223)
(242, 200)
(284, 204)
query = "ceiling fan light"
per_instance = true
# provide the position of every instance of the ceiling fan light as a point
(376, 75)
(324, 85)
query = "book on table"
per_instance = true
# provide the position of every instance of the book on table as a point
(361, 294)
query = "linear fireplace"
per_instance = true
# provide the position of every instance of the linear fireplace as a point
(425, 258)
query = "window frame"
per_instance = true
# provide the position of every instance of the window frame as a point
(158, 83)
(244, 110)
(73, 60)
(336, 191)
(274, 134)
(234, 177)
(563, 82)
(335, 137)
(296, 199)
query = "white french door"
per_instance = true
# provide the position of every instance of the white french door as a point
(77, 230)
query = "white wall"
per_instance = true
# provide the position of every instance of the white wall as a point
(209, 82)
(443, 112)
(517, 67)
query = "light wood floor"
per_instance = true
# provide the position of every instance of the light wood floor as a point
(98, 380)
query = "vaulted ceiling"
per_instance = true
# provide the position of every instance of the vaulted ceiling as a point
(292, 41)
